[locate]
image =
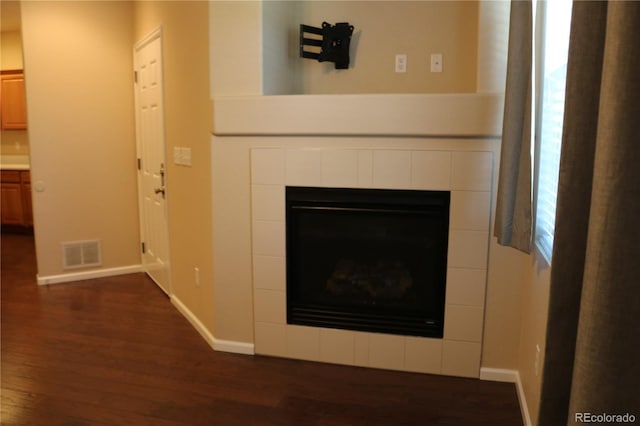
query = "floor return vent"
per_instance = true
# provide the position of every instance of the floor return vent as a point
(80, 254)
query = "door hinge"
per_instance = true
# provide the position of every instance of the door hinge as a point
(135, 76)
(139, 163)
(144, 248)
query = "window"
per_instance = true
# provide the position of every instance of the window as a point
(552, 71)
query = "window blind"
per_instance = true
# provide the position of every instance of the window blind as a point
(557, 18)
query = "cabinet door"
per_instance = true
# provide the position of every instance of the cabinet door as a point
(11, 208)
(14, 111)
(27, 207)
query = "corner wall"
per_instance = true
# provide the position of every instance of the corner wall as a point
(188, 123)
(533, 330)
(79, 84)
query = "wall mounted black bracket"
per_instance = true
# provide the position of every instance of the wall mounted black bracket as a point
(334, 45)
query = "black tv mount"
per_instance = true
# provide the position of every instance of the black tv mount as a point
(334, 45)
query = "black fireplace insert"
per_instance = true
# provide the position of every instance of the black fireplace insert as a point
(367, 259)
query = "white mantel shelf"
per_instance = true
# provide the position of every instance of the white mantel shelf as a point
(451, 115)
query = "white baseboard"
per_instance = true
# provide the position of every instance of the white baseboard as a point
(88, 275)
(216, 344)
(509, 376)
(524, 408)
(195, 322)
(234, 347)
(498, 375)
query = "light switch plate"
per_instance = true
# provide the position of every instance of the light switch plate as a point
(436, 62)
(186, 156)
(182, 156)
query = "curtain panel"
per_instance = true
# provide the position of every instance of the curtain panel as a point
(592, 356)
(513, 208)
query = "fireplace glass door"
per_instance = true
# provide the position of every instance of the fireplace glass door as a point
(369, 260)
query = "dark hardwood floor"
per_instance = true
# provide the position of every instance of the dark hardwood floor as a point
(114, 351)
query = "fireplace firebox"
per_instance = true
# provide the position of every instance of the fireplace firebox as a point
(367, 259)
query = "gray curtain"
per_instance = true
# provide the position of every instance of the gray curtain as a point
(513, 209)
(592, 356)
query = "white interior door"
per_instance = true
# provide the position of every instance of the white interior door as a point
(152, 177)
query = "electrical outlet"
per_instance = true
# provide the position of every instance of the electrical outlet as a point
(401, 62)
(196, 276)
(536, 364)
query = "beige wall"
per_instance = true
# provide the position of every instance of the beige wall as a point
(533, 329)
(493, 41)
(79, 79)
(260, 41)
(263, 57)
(235, 47)
(386, 28)
(188, 115)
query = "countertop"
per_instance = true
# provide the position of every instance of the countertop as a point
(14, 162)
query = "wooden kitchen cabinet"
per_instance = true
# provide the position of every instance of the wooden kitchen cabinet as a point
(15, 196)
(27, 207)
(12, 101)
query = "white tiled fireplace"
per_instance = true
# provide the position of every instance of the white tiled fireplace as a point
(468, 174)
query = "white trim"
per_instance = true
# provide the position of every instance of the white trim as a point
(234, 347)
(216, 344)
(509, 376)
(498, 375)
(88, 275)
(195, 322)
(524, 408)
(476, 114)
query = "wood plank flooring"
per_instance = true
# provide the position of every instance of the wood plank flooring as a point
(114, 351)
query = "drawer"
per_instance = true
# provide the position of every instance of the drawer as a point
(10, 176)
(26, 176)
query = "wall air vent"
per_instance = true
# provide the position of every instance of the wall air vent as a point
(81, 254)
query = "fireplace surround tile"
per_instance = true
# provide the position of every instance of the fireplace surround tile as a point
(271, 338)
(468, 249)
(340, 168)
(268, 238)
(361, 355)
(269, 273)
(423, 355)
(392, 169)
(470, 210)
(459, 352)
(466, 286)
(365, 168)
(463, 323)
(431, 170)
(267, 202)
(303, 167)
(267, 166)
(337, 346)
(386, 351)
(460, 358)
(303, 342)
(471, 171)
(270, 306)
